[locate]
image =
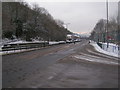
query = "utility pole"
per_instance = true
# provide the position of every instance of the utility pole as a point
(107, 22)
(118, 20)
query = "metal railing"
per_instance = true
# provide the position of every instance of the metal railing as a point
(20, 46)
(110, 48)
(26, 46)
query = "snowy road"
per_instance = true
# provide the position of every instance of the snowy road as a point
(69, 65)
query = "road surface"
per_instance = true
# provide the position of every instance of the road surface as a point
(61, 66)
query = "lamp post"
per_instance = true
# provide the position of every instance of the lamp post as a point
(107, 22)
(118, 20)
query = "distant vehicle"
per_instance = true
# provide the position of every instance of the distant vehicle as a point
(71, 38)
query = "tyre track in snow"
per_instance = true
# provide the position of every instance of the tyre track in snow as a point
(88, 53)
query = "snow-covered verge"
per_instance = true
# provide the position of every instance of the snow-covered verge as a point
(18, 41)
(112, 49)
(16, 51)
(54, 42)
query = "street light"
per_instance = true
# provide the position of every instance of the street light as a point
(107, 22)
(118, 21)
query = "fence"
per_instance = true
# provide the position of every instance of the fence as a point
(111, 48)
(23, 46)
(20, 46)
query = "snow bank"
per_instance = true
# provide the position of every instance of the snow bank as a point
(17, 42)
(16, 51)
(54, 42)
(109, 51)
(112, 48)
(6, 41)
(51, 43)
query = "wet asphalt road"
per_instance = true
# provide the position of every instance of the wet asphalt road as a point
(60, 66)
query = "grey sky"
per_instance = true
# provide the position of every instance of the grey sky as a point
(82, 16)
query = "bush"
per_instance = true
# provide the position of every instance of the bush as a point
(8, 34)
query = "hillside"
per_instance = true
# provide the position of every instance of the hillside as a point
(21, 21)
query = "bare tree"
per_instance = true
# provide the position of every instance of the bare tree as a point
(59, 22)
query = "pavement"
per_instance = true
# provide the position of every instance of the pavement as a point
(61, 66)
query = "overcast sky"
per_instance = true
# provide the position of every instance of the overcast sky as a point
(82, 16)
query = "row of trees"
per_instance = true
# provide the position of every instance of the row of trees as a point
(101, 34)
(21, 21)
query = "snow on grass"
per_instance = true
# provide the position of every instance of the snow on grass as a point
(18, 42)
(105, 50)
(18, 51)
(54, 42)
(112, 47)
(35, 41)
